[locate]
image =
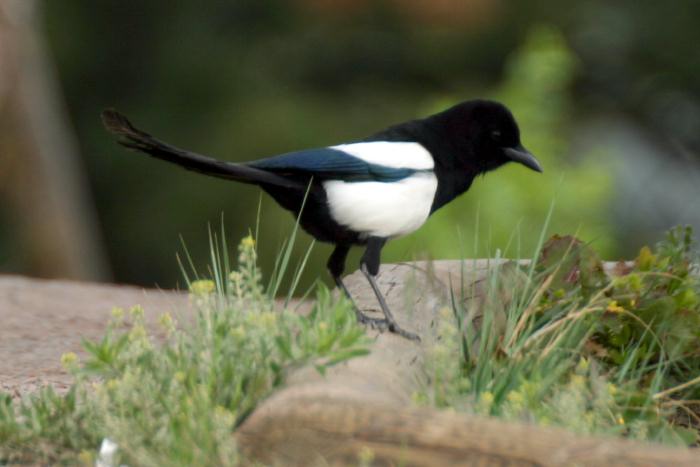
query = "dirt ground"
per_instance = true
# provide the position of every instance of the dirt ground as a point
(42, 319)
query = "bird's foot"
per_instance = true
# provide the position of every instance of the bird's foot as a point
(383, 324)
(396, 329)
(380, 324)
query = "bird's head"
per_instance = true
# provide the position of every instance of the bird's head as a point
(485, 134)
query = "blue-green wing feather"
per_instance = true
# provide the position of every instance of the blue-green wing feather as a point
(330, 164)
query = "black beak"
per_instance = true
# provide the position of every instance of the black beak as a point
(521, 155)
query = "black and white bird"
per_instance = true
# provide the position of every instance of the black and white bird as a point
(371, 190)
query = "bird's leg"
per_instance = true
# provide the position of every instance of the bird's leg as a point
(369, 265)
(375, 323)
(336, 265)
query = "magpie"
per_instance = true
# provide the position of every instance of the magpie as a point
(368, 191)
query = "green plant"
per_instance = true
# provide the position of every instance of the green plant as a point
(561, 342)
(176, 401)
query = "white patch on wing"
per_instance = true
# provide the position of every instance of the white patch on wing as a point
(382, 209)
(390, 154)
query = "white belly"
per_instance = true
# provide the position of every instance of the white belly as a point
(382, 209)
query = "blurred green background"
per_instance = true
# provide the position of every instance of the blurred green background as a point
(607, 95)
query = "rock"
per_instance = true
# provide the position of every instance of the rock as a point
(42, 319)
(362, 408)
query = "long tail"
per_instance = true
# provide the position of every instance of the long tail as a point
(133, 138)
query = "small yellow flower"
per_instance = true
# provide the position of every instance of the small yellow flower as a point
(582, 366)
(612, 389)
(322, 326)
(86, 458)
(515, 398)
(635, 282)
(613, 307)
(440, 351)
(445, 312)
(365, 456)
(224, 416)
(268, 319)
(137, 333)
(117, 313)
(69, 360)
(486, 400)
(248, 242)
(419, 398)
(202, 287)
(620, 420)
(578, 380)
(529, 388)
(136, 312)
(646, 258)
(238, 332)
(464, 385)
(166, 321)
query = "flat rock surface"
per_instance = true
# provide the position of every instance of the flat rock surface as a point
(42, 319)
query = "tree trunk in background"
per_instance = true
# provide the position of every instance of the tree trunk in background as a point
(40, 173)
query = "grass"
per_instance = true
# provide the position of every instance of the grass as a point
(558, 342)
(178, 401)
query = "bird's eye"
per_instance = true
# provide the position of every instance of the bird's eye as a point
(495, 135)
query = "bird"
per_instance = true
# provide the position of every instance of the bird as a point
(367, 191)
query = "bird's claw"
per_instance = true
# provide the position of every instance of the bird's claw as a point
(383, 324)
(396, 329)
(379, 324)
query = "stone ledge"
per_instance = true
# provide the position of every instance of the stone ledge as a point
(365, 404)
(42, 319)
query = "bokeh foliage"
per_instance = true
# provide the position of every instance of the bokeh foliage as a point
(510, 205)
(248, 79)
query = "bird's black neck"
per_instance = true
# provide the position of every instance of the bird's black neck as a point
(454, 171)
(451, 184)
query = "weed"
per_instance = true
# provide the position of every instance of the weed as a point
(178, 401)
(561, 343)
